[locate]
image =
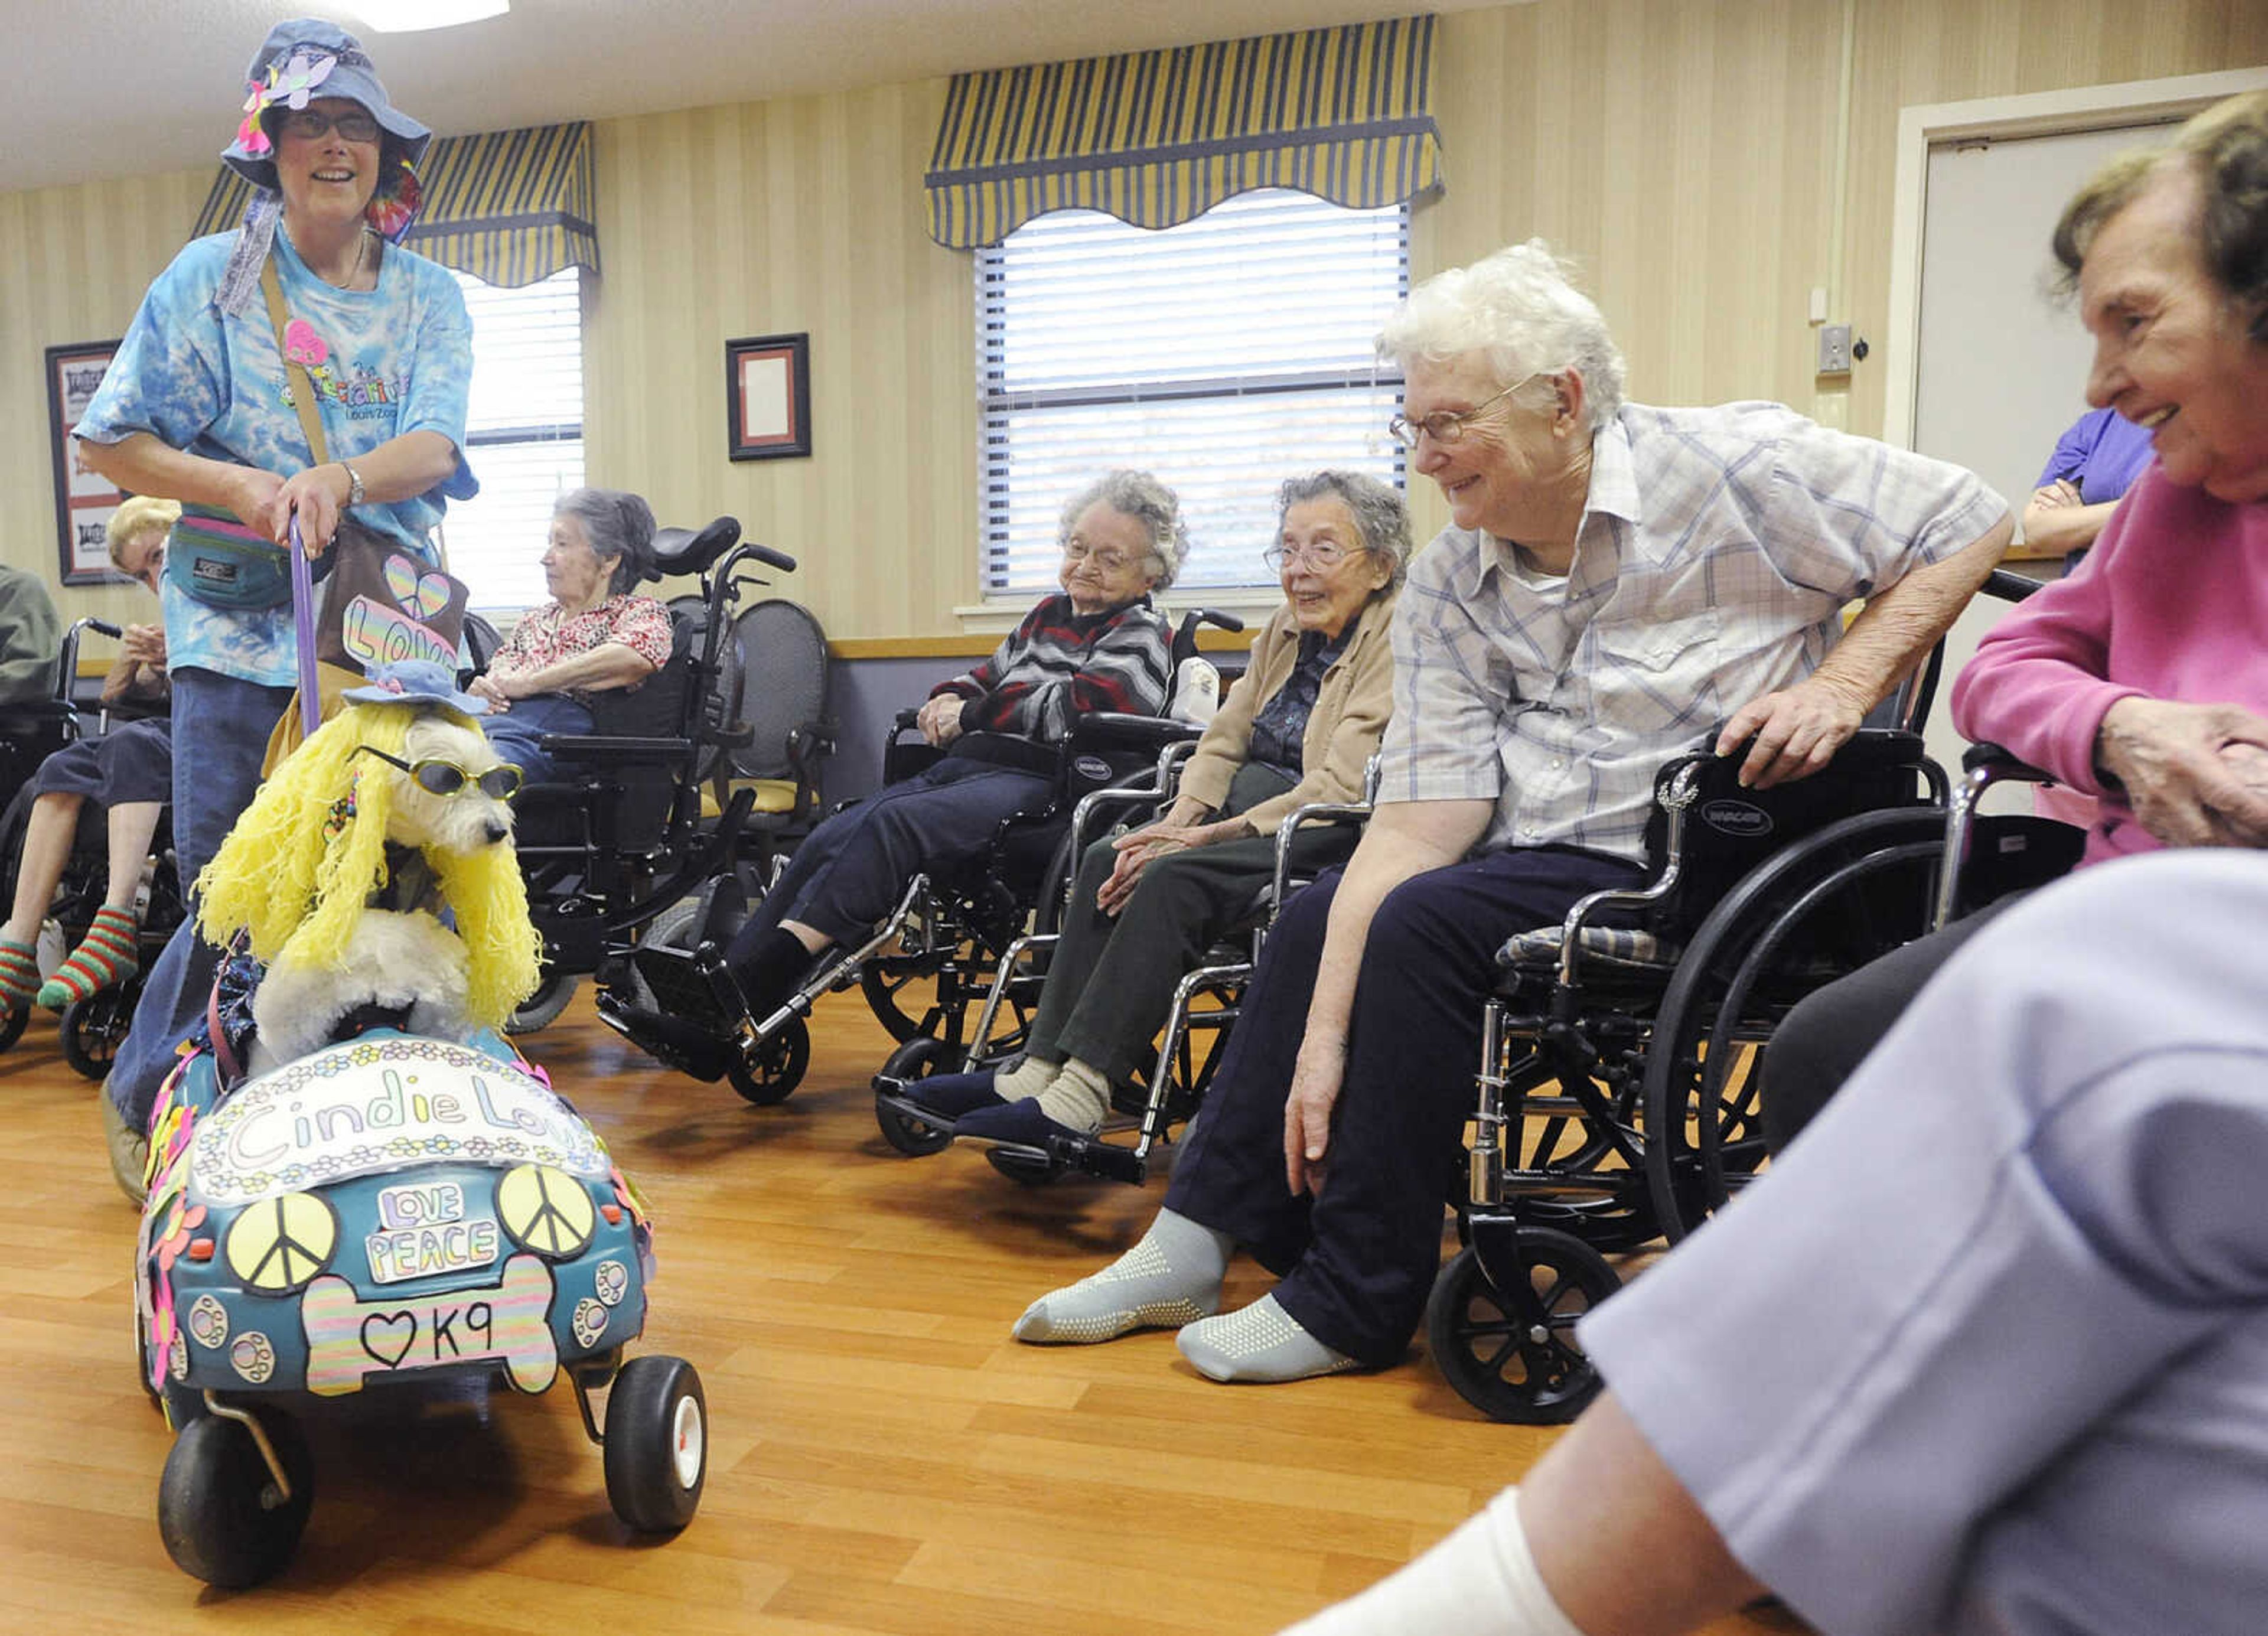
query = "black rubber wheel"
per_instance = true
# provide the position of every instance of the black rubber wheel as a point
(93, 1028)
(541, 1009)
(900, 990)
(12, 1019)
(222, 1516)
(916, 1139)
(770, 1076)
(1513, 1355)
(657, 1443)
(1024, 1167)
(1857, 892)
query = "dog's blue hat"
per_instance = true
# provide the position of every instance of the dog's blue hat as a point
(416, 682)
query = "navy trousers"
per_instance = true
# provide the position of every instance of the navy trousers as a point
(1358, 1262)
(847, 874)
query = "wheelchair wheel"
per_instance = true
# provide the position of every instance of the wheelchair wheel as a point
(12, 1023)
(900, 990)
(916, 1139)
(1512, 1353)
(93, 1028)
(771, 1075)
(1855, 891)
(541, 1009)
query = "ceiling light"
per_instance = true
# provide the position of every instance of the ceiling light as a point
(405, 17)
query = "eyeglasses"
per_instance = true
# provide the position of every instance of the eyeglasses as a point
(1323, 554)
(1446, 426)
(1076, 550)
(499, 783)
(354, 124)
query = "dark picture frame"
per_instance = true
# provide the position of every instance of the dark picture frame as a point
(83, 500)
(768, 396)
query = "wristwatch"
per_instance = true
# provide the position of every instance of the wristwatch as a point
(354, 485)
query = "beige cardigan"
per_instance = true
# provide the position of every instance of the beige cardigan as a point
(1344, 729)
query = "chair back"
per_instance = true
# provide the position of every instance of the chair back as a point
(1722, 830)
(780, 653)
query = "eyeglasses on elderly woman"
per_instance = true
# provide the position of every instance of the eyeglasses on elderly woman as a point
(1323, 554)
(1446, 426)
(1109, 560)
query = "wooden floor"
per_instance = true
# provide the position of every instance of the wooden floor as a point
(885, 1458)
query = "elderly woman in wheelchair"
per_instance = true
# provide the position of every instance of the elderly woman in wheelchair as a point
(1298, 727)
(2142, 678)
(597, 634)
(127, 773)
(1098, 645)
(1615, 578)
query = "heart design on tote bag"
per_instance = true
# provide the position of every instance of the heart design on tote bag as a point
(423, 593)
(302, 344)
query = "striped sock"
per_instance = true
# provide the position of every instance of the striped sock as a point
(105, 958)
(19, 974)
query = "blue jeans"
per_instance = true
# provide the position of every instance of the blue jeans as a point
(514, 734)
(220, 737)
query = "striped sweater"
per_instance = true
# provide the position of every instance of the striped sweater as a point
(1057, 666)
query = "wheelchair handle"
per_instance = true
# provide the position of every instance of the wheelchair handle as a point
(769, 558)
(1220, 621)
(101, 627)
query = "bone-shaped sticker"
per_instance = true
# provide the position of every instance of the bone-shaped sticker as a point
(347, 1338)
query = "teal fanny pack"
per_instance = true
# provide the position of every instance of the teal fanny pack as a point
(217, 560)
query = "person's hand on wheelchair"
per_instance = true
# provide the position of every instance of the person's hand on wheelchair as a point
(1796, 730)
(2195, 774)
(940, 718)
(497, 690)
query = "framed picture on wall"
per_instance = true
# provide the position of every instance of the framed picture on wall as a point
(83, 499)
(768, 396)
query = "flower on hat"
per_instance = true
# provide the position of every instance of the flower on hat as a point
(306, 69)
(249, 135)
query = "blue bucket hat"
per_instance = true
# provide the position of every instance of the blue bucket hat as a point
(302, 59)
(416, 682)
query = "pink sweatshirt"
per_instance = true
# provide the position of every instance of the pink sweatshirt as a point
(2172, 603)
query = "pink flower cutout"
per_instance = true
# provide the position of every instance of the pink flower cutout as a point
(249, 135)
(302, 344)
(179, 1226)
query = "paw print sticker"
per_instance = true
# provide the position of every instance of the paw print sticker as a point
(251, 1357)
(614, 1282)
(208, 1322)
(589, 1324)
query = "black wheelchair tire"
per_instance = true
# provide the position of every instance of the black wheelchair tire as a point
(916, 1139)
(12, 1019)
(654, 1408)
(93, 1028)
(770, 1076)
(1695, 1165)
(1494, 1356)
(541, 1009)
(222, 1517)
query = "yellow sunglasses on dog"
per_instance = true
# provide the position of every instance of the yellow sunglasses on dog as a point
(499, 783)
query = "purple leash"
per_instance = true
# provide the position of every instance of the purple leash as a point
(303, 615)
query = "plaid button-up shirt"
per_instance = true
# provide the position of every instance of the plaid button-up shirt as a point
(1717, 549)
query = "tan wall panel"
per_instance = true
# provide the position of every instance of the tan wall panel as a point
(74, 262)
(799, 215)
(1956, 50)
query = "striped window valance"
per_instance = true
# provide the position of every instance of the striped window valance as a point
(510, 206)
(1159, 138)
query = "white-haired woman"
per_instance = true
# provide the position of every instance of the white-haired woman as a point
(1615, 583)
(1299, 726)
(596, 636)
(1098, 645)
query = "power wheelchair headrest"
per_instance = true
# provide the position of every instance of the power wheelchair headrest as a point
(683, 551)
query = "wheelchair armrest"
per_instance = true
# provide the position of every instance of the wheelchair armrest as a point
(1314, 812)
(735, 735)
(1988, 758)
(602, 751)
(1115, 730)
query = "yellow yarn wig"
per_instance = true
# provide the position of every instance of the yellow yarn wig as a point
(302, 862)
